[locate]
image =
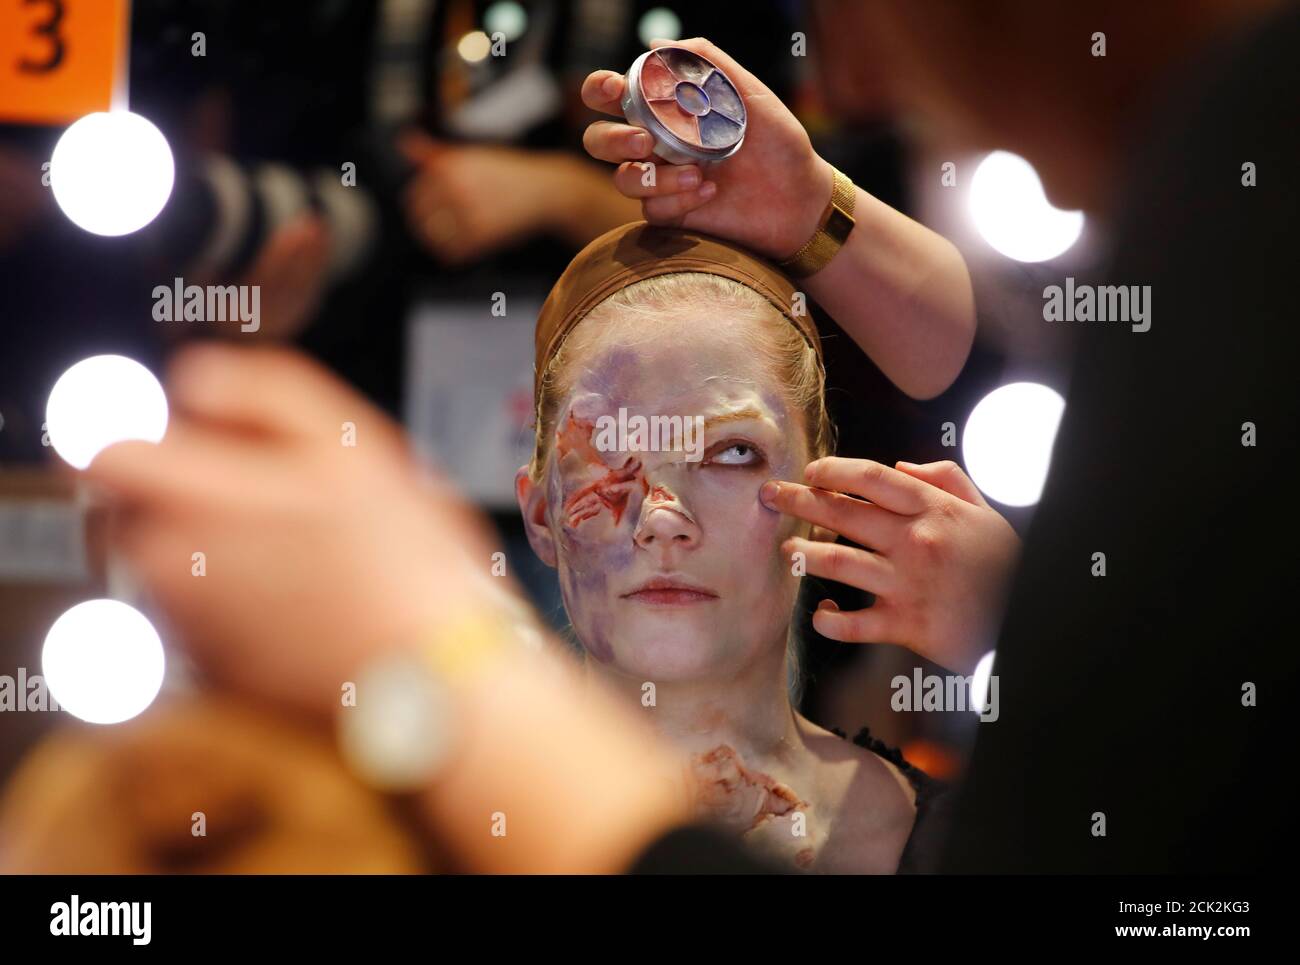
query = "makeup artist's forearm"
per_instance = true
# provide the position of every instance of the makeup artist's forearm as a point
(903, 293)
(574, 789)
(587, 203)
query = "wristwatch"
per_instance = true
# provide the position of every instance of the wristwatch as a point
(832, 231)
(404, 725)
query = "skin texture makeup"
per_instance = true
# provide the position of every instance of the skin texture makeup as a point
(631, 524)
(672, 575)
(689, 106)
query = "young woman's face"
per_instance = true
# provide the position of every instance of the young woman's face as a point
(669, 564)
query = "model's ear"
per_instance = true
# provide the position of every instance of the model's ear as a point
(532, 504)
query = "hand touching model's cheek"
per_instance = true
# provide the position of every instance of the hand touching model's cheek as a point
(670, 565)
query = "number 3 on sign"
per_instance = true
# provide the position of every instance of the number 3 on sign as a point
(61, 59)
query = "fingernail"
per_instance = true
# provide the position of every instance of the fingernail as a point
(690, 178)
(829, 604)
(769, 492)
(708, 189)
(909, 465)
(641, 143)
(612, 85)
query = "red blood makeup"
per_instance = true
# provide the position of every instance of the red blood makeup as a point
(611, 491)
(690, 107)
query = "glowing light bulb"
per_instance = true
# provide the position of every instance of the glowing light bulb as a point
(103, 661)
(659, 23)
(102, 400)
(1007, 442)
(1013, 214)
(979, 685)
(507, 18)
(474, 46)
(111, 172)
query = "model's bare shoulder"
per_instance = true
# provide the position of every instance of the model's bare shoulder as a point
(871, 802)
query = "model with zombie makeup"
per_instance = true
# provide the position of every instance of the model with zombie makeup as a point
(677, 579)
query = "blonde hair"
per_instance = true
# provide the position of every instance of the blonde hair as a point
(789, 356)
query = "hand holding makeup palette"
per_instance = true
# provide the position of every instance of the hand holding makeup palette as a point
(689, 106)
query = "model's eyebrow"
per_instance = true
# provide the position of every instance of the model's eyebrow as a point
(738, 416)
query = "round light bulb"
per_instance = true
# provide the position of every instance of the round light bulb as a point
(507, 18)
(659, 23)
(1007, 443)
(111, 172)
(474, 46)
(103, 661)
(1013, 214)
(102, 400)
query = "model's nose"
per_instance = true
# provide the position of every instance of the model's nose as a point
(665, 523)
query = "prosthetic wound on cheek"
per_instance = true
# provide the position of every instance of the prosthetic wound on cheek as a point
(611, 491)
(617, 259)
(614, 488)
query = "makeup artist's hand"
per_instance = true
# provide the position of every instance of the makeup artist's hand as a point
(940, 560)
(898, 289)
(769, 196)
(317, 553)
(467, 201)
(292, 273)
(321, 556)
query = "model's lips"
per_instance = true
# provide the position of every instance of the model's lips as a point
(662, 591)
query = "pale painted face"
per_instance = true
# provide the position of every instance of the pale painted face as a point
(669, 564)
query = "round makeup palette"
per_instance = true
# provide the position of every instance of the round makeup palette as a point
(690, 107)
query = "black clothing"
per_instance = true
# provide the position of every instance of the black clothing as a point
(1125, 695)
(933, 807)
(699, 850)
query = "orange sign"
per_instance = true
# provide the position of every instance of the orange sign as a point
(60, 59)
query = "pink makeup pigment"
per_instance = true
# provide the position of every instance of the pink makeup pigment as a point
(690, 107)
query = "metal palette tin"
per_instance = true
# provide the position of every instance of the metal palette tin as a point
(690, 107)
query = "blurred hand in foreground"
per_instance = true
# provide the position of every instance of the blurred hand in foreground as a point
(322, 555)
(321, 539)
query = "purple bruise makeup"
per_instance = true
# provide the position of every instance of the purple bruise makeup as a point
(690, 107)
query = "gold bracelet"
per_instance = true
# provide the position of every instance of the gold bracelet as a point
(832, 231)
